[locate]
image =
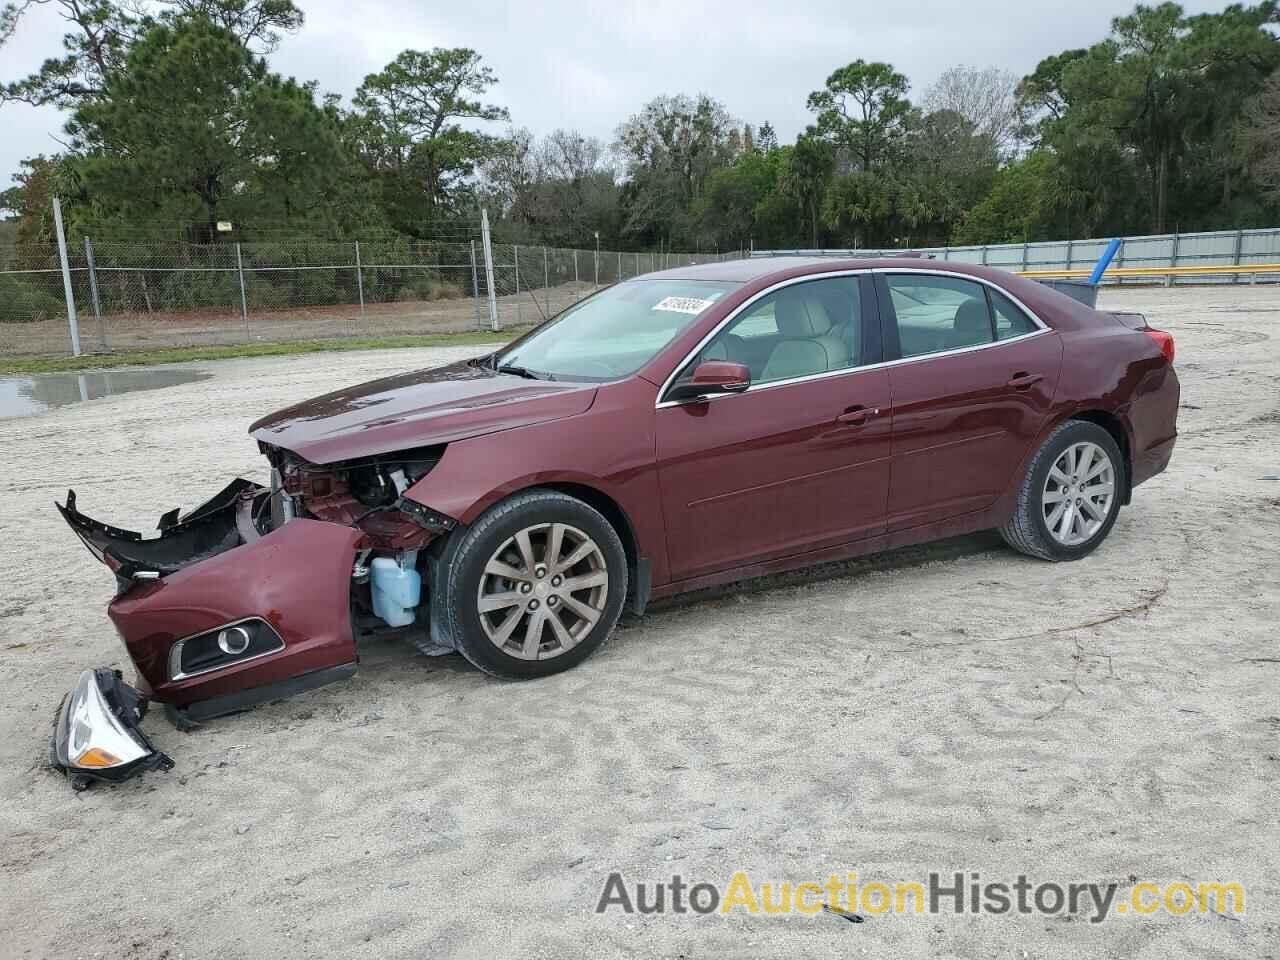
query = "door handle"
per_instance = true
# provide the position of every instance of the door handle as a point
(1021, 381)
(855, 416)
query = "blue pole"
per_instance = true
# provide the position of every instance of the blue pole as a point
(1104, 261)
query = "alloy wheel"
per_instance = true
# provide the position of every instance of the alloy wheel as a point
(1078, 493)
(543, 591)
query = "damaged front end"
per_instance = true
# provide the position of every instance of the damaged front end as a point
(258, 593)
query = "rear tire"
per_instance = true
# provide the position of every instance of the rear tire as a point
(535, 586)
(1070, 496)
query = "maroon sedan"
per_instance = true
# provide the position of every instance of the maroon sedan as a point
(683, 429)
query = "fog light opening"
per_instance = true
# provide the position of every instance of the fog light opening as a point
(233, 641)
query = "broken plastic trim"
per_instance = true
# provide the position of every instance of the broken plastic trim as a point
(425, 517)
(217, 525)
(96, 734)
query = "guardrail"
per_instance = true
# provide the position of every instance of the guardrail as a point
(1252, 270)
(1236, 256)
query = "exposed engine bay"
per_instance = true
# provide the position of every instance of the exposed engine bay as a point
(366, 493)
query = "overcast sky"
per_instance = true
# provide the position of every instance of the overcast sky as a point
(588, 64)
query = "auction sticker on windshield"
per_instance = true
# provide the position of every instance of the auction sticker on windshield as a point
(692, 305)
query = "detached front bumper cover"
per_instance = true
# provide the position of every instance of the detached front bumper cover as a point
(96, 734)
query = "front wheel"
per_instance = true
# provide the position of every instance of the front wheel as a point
(535, 585)
(1070, 496)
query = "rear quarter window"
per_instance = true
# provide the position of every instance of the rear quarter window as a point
(1011, 320)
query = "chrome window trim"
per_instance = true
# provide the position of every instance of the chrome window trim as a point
(1042, 328)
(982, 280)
(175, 652)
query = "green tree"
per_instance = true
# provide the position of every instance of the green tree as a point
(101, 32)
(1155, 108)
(30, 200)
(410, 117)
(864, 110)
(194, 128)
(670, 149)
(1262, 138)
(1025, 204)
(727, 211)
(804, 177)
(767, 138)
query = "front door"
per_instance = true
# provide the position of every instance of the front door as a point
(798, 462)
(974, 385)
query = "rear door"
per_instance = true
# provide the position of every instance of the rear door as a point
(798, 462)
(972, 378)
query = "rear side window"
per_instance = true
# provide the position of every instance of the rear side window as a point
(936, 314)
(1011, 321)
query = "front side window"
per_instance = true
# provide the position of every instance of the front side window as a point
(801, 330)
(937, 313)
(616, 332)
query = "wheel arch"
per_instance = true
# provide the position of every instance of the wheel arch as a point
(1110, 420)
(639, 579)
(1119, 430)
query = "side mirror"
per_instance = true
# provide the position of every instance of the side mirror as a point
(710, 378)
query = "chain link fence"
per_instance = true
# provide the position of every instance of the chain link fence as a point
(532, 283)
(131, 295)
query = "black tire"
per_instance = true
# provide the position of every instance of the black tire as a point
(1026, 530)
(476, 545)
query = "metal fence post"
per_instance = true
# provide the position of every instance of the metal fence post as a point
(1173, 259)
(1235, 257)
(575, 265)
(359, 280)
(1069, 242)
(985, 248)
(93, 292)
(244, 300)
(67, 290)
(619, 266)
(515, 248)
(546, 281)
(486, 244)
(475, 284)
(1024, 256)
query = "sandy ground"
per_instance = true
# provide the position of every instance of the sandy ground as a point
(952, 708)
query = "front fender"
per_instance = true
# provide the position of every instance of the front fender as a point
(609, 449)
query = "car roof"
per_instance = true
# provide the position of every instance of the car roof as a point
(758, 268)
(1049, 305)
(741, 270)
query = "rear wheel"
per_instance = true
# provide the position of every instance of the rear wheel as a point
(535, 585)
(1070, 496)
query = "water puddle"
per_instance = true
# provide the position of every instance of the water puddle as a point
(27, 395)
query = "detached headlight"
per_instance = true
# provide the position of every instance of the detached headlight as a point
(97, 735)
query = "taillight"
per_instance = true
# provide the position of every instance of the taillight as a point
(1163, 340)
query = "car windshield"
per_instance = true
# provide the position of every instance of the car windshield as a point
(614, 333)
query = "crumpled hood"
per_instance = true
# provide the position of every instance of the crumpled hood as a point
(417, 409)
